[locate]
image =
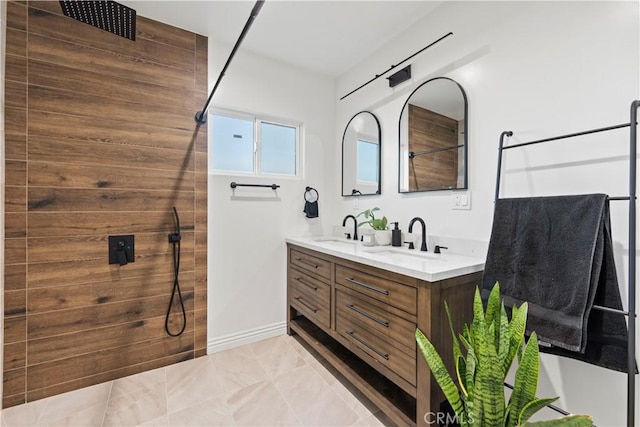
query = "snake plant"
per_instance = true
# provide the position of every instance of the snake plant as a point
(491, 344)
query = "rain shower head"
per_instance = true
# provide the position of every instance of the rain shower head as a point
(106, 15)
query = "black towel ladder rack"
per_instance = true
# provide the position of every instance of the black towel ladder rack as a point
(631, 198)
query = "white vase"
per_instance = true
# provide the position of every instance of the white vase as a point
(383, 237)
(368, 237)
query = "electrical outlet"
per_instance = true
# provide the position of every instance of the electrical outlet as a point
(461, 200)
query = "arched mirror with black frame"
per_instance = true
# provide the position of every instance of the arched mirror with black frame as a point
(361, 148)
(433, 138)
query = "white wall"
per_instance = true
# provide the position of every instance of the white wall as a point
(539, 69)
(247, 252)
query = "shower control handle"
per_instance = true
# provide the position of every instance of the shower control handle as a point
(121, 249)
(122, 253)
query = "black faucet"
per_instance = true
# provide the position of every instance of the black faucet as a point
(424, 232)
(355, 226)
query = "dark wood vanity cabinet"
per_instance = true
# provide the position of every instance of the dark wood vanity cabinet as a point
(362, 320)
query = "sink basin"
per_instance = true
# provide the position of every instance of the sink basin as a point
(398, 253)
(335, 240)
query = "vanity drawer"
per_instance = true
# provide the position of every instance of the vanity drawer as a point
(314, 304)
(319, 290)
(398, 331)
(314, 265)
(396, 294)
(378, 348)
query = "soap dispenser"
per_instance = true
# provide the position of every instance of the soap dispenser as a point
(396, 235)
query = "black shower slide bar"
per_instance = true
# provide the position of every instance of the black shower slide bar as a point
(271, 186)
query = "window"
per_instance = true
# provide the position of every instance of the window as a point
(253, 145)
(367, 159)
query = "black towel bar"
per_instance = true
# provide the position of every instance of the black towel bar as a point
(271, 186)
(552, 407)
(569, 135)
(621, 198)
(611, 310)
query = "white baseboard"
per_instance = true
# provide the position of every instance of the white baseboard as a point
(230, 341)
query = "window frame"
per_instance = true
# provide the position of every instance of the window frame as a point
(258, 120)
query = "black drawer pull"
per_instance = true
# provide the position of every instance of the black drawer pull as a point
(304, 282)
(369, 346)
(309, 263)
(368, 316)
(301, 301)
(364, 285)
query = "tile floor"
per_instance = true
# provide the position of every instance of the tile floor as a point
(275, 382)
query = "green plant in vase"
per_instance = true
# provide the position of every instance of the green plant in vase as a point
(491, 343)
(382, 236)
(375, 223)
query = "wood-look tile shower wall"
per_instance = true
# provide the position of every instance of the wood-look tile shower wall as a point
(100, 140)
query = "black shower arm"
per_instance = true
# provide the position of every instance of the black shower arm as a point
(201, 115)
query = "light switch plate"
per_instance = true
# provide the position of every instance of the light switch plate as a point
(461, 200)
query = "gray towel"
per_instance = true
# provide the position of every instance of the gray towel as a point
(311, 209)
(556, 254)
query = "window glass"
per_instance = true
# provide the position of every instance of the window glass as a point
(233, 144)
(278, 148)
(243, 143)
(367, 159)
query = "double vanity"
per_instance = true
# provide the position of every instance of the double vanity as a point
(359, 308)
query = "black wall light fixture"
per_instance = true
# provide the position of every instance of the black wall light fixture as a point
(396, 65)
(201, 115)
(399, 77)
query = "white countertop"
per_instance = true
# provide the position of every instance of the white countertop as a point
(427, 266)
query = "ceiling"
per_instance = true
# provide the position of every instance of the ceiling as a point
(329, 37)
